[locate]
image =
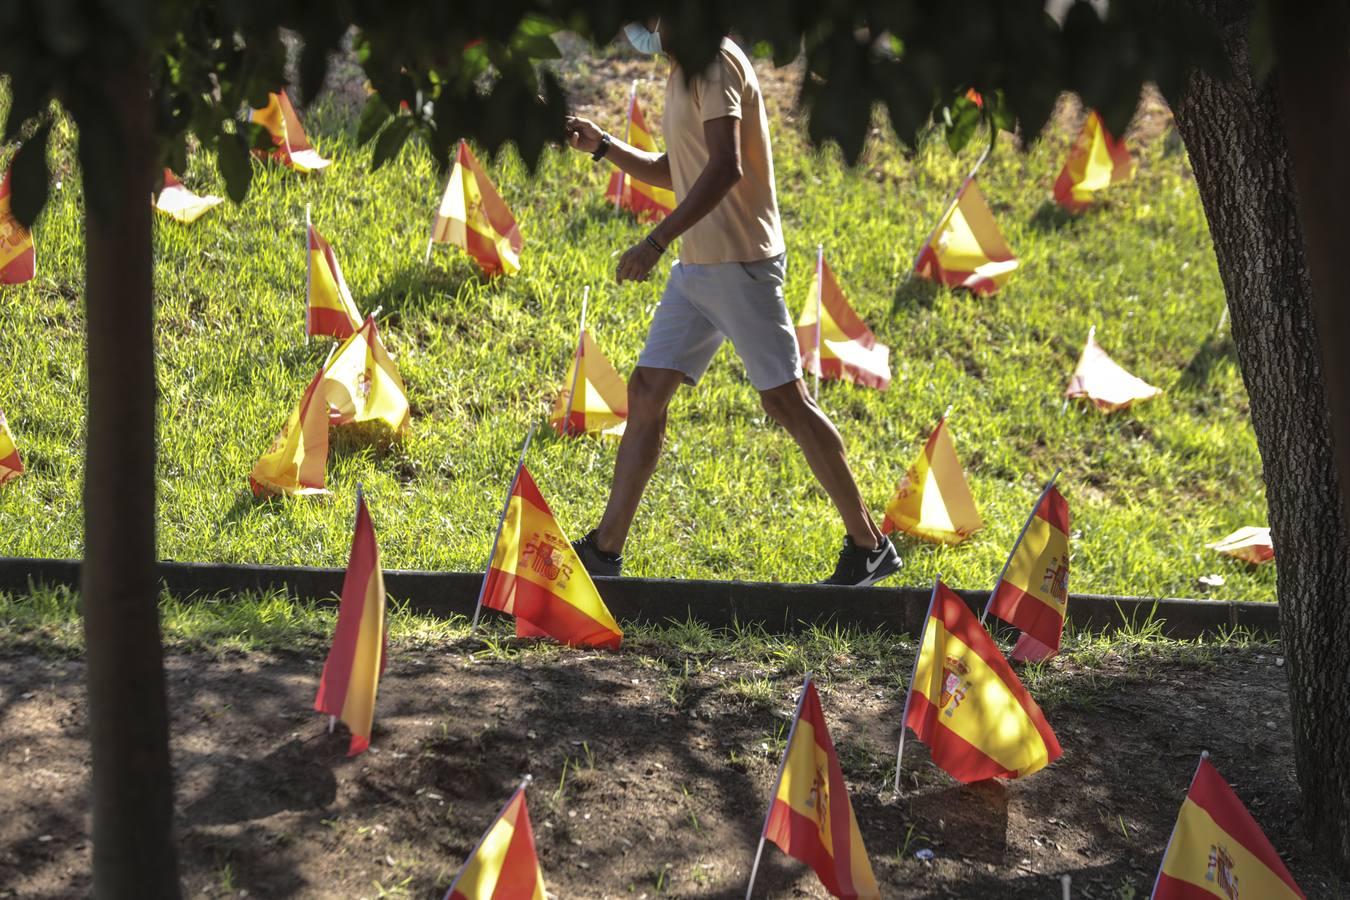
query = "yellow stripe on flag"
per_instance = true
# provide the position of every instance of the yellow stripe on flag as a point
(601, 404)
(1036, 562)
(1200, 848)
(362, 383)
(933, 500)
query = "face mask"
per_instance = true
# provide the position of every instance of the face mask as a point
(642, 39)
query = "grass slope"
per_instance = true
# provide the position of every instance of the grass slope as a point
(732, 497)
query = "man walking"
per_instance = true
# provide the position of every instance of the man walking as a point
(727, 284)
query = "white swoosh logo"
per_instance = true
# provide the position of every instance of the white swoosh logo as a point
(873, 566)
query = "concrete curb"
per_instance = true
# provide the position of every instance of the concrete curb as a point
(783, 607)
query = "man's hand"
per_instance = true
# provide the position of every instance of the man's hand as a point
(637, 263)
(582, 134)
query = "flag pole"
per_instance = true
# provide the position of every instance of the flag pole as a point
(1204, 755)
(506, 507)
(576, 368)
(1021, 534)
(754, 869)
(918, 652)
(431, 238)
(309, 271)
(1065, 881)
(820, 289)
(627, 139)
(947, 211)
(524, 783)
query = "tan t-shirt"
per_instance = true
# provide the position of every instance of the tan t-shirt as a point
(744, 227)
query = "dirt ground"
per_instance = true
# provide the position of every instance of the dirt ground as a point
(667, 775)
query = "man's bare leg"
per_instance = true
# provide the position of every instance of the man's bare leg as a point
(649, 394)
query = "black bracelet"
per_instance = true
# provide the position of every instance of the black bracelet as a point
(655, 246)
(603, 148)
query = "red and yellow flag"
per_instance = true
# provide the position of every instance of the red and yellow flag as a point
(1033, 592)
(473, 216)
(811, 817)
(351, 675)
(594, 398)
(1217, 847)
(1249, 543)
(17, 259)
(649, 203)
(967, 704)
(297, 461)
(11, 466)
(1096, 161)
(329, 307)
(535, 575)
(933, 500)
(290, 144)
(504, 865)
(848, 350)
(967, 250)
(1101, 379)
(180, 204)
(361, 383)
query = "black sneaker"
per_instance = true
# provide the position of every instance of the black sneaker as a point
(859, 567)
(595, 560)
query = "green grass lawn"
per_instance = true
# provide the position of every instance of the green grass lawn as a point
(732, 498)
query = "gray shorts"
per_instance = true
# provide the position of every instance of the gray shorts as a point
(742, 302)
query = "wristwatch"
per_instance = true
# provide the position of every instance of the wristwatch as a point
(601, 150)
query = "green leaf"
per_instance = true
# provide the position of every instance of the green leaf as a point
(391, 141)
(373, 116)
(29, 188)
(963, 118)
(235, 168)
(536, 46)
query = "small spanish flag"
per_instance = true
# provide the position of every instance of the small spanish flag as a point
(933, 500)
(473, 216)
(297, 461)
(17, 259)
(1249, 543)
(967, 704)
(351, 675)
(966, 249)
(361, 383)
(1101, 379)
(180, 204)
(1033, 591)
(1096, 161)
(535, 575)
(329, 308)
(1217, 846)
(504, 865)
(290, 145)
(626, 192)
(11, 466)
(833, 341)
(594, 398)
(811, 817)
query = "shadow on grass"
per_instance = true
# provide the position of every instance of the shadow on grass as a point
(1051, 217)
(1217, 348)
(419, 288)
(913, 293)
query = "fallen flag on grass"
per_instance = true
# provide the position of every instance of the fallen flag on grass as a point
(594, 398)
(18, 263)
(933, 500)
(11, 466)
(290, 144)
(180, 204)
(1101, 379)
(535, 575)
(1217, 846)
(351, 675)
(1096, 161)
(1249, 543)
(966, 249)
(966, 703)
(504, 865)
(626, 192)
(296, 462)
(329, 307)
(361, 383)
(1033, 592)
(811, 817)
(473, 216)
(833, 341)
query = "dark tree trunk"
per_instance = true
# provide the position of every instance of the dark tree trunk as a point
(1235, 133)
(128, 717)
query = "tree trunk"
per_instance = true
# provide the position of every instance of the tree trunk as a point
(1235, 134)
(128, 716)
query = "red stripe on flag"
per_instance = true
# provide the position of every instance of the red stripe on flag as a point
(961, 759)
(520, 865)
(332, 322)
(1055, 510)
(802, 836)
(1211, 793)
(1016, 607)
(548, 612)
(484, 251)
(1170, 888)
(337, 670)
(834, 368)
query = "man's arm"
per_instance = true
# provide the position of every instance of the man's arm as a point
(652, 168)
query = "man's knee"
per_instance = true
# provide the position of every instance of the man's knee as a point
(648, 397)
(787, 405)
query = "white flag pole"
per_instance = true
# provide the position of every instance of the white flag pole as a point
(576, 368)
(628, 139)
(309, 271)
(1017, 543)
(820, 289)
(947, 210)
(754, 870)
(1065, 882)
(506, 507)
(524, 783)
(909, 691)
(1204, 755)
